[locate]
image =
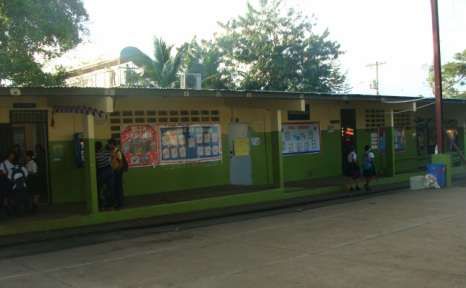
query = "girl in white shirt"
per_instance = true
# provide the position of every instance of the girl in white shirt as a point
(6, 170)
(368, 166)
(352, 169)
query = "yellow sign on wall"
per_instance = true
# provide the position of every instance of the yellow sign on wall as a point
(242, 147)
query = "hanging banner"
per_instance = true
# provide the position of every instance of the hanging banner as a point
(400, 139)
(190, 143)
(382, 140)
(299, 138)
(139, 143)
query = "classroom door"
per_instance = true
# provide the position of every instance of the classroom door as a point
(29, 132)
(240, 158)
(6, 140)
(348, 134)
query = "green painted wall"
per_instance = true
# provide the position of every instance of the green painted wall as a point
(446, 160)
(143, 181)
(70, 184)
(67, 182)
(327, 163)
(390, 152)
(261, 156)
(405, 161)
(408, 160)
(277, 159)
(363, 138)
(148, 180)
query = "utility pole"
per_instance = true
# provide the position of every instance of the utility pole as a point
(376, 83)
(438, 76)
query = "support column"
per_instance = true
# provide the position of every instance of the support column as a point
(390, 168)
(446, 160)
(92, 197)
(277, 155)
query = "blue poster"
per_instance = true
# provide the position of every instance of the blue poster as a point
(300, 138)
(173, 143)
(400, 139)
(190, 143)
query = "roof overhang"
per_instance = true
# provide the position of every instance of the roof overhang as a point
(72, 92)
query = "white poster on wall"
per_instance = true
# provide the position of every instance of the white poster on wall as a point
(300, 138)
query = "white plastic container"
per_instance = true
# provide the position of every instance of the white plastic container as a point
(417, 182)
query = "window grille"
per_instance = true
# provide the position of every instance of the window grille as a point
(118, 119)
(403, 120)
(375, 118)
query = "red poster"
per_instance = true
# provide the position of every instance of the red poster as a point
(139, 143)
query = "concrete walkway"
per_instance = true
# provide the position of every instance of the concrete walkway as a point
(406, 239)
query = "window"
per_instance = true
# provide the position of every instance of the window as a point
(375, 118)
(403, 120)
(127, 117)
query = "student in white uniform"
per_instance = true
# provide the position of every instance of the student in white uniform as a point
(368, 166)
(6, 168)
(14, 190)
(353, 171)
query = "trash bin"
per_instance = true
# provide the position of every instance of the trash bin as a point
(439, 171)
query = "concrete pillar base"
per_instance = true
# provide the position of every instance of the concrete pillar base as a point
(447, 161)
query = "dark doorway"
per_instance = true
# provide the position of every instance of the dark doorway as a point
(29, 130)
(348, 134)
(6, 140)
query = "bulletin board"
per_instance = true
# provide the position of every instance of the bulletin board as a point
(190, 143)
(140, 146)
(300, 138)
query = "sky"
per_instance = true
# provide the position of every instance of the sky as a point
(396, 32)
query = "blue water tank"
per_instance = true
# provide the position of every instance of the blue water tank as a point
(439, 171)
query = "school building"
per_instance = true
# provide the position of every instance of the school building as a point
(200, 150)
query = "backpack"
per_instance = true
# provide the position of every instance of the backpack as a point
(367, 163)
(120, 165)
(18, 179)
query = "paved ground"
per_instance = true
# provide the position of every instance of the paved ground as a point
(405, 239)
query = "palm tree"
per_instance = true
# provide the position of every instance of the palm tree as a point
(163, 71)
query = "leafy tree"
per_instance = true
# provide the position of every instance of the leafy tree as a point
(161, 72)
(267, 49)
(205, 58)
(32, 32)
(453, 77)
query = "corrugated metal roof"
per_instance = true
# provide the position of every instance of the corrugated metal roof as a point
(155, 92)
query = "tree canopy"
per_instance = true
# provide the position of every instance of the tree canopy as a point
(453, 77)
(162, 71)
(205, 58)
(271, 49)
(32, 32)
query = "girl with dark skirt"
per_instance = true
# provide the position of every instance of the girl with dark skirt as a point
(368, 167)
(353, 171)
